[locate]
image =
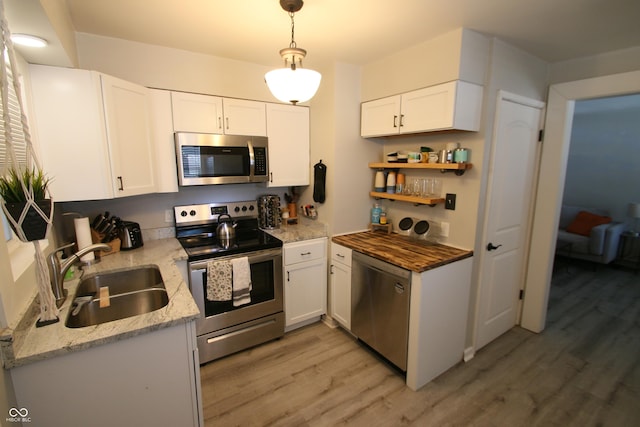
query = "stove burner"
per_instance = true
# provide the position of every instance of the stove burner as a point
(197, 232)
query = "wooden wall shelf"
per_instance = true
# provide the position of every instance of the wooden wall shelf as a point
(458, 168)
(403, 198)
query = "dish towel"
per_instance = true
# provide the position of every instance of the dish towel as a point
(219, 285)
(241, 281)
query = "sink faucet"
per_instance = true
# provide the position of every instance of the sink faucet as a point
(58, 270)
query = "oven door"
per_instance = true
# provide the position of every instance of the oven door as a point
(266, 292)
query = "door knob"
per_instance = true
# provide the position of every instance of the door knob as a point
(490, 247)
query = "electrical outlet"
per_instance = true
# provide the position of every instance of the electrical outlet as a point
(450, 202)
(168, 215)
(444, 229)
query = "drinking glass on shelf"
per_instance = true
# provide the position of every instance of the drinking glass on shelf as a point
(436, 188)
(417, 187)
(427, 184)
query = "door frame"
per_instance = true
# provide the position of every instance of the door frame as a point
(553, 167)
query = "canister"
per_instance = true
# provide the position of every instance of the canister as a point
(461, 155)
(446, 156)
(380, 183)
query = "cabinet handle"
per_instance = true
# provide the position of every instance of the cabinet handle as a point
(121, 186)
(288, 276)
(331, 269)
(340, 255)
(395, 121)
(271, 177)
(401, 120)
(305, 253)
(219, 122)
(227, 121)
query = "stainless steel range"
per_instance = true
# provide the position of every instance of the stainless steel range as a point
(228, 324)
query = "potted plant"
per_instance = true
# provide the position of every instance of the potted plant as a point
(19, 188)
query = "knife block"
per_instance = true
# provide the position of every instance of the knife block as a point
(114, 244)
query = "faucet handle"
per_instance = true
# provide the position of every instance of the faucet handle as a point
(61, 248)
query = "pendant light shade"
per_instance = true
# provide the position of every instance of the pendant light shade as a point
(293, 83)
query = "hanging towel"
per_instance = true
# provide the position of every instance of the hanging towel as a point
(241, 281)
(219, 281)
(319, 178)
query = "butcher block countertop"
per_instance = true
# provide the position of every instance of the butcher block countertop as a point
(415, 255)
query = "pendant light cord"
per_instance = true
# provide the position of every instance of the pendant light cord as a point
(293, 28)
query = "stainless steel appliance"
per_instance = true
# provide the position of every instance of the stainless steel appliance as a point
(223, 328)
(413, 227)
(130, 235)
(221, 159)
(380, 295)
(269, 211)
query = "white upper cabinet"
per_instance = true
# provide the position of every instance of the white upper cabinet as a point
(212, 114)
(243, 117)
(93, 132)
(197, 113)
(164, 146)
(126, 107)
(288, 132)
(450, 106)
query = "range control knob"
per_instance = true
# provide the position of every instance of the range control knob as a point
(244, 209)
(251, 207)
(192, 213)
(236, 209)
(183, 213)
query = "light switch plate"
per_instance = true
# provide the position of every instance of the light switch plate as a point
(450, 201)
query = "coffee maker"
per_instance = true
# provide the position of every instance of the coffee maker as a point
(269, 211)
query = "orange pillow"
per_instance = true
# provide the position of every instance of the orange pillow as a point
(585, 221)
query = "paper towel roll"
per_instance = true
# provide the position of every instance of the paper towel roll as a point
(83, 237)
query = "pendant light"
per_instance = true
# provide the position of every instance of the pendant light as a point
(293, 83)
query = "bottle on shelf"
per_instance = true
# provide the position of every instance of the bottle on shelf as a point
(375, 214)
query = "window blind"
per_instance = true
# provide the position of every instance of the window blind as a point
(17, 134)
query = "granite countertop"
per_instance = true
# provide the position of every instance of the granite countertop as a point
(305, 229)
(415, 255)
(28, 344)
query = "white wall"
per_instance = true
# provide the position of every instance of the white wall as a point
(615, 62)
(603, 155)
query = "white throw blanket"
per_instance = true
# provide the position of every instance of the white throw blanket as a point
(241, 281)
(219, 281)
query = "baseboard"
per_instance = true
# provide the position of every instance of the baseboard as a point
(468, 354)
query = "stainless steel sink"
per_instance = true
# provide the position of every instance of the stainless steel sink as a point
(114, 295)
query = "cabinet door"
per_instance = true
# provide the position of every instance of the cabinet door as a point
(128, 122)
(341, 293)
(70, 129)
(196, 113)
(453, 105)
(243, 117)
(305, 291)
(380, 117)
(340, 286)
(288, 132)
(164, 146)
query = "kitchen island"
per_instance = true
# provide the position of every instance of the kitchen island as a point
(438, 307)
(140, 370)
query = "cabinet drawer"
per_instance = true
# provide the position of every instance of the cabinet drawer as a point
(340, 254)
(304, 251)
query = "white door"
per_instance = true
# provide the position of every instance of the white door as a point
(512, 173)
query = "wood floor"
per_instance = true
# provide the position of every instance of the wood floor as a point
(583, 370)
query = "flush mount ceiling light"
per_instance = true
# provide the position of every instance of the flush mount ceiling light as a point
(293, 83)
(28, 40)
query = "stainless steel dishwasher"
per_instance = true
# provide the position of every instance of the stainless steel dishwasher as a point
(380, 294)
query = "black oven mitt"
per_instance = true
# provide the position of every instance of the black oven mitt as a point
(319, 179)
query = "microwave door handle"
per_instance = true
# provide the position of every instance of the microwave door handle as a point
(252, 160)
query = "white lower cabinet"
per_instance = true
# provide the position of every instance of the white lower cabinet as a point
(340, 285)
(305, 281)
(151, 379)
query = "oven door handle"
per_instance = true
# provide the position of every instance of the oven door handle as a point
(257, 256)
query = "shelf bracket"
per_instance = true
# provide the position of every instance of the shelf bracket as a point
(458, 172)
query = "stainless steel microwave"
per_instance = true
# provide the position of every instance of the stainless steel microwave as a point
(205, 159)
